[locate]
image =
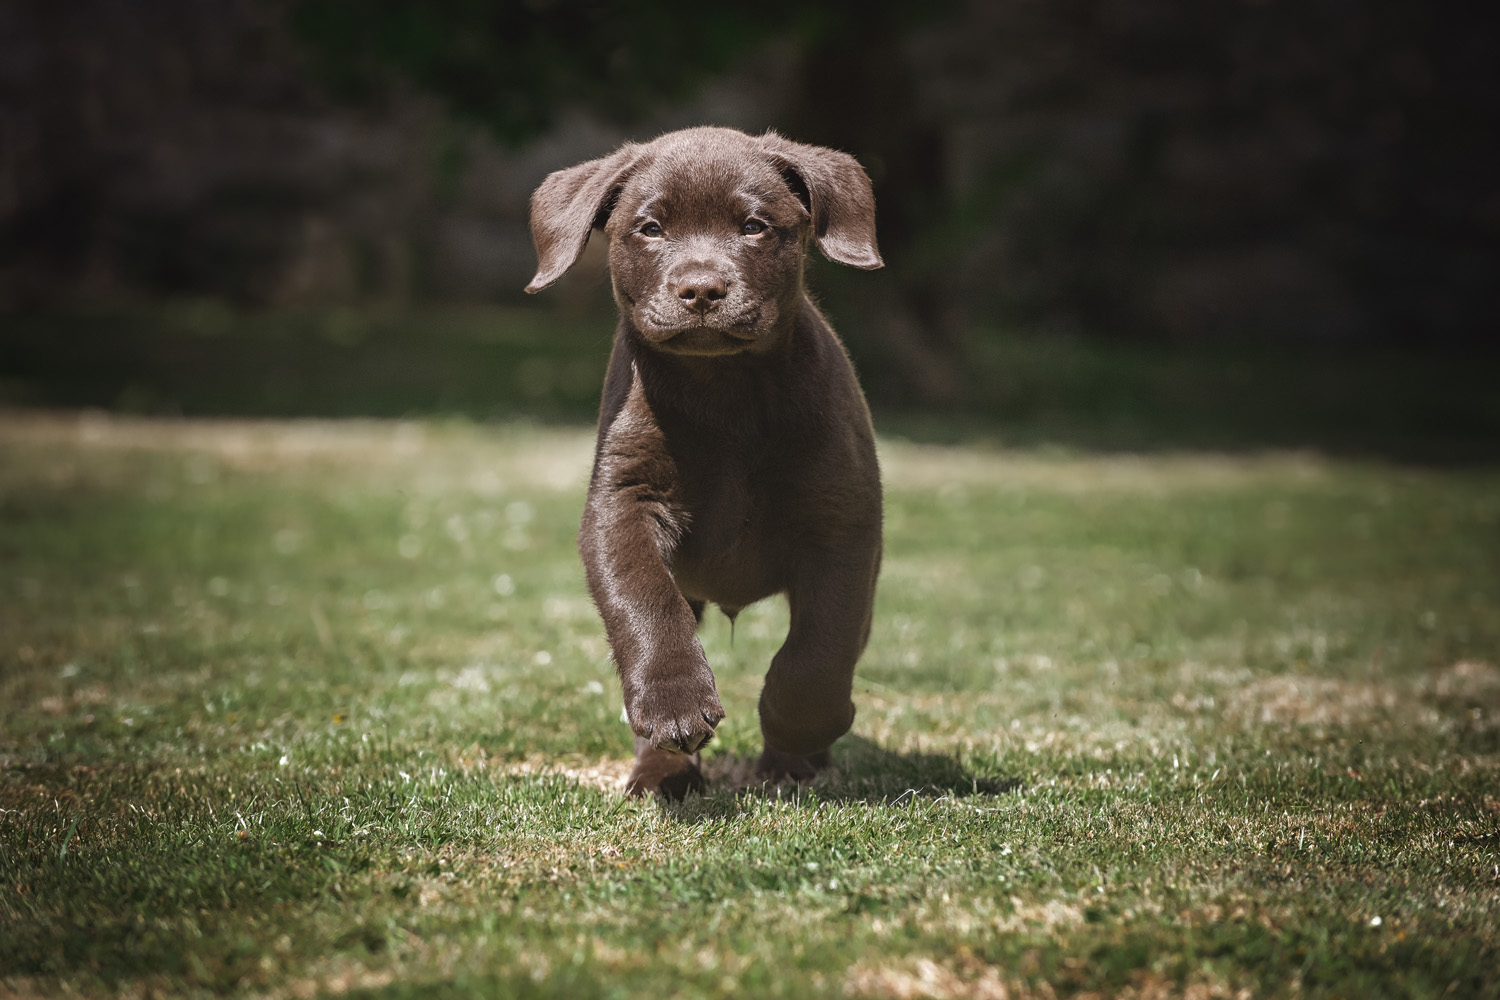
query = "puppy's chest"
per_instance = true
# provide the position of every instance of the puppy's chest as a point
(726, 505)
(733, 512)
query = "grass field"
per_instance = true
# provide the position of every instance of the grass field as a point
(294, 709)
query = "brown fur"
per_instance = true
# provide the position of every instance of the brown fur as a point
(735, 458)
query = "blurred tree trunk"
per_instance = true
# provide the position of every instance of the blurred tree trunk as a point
(857, 94)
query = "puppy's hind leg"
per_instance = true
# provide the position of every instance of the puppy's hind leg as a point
(806, 702)
(671, 774)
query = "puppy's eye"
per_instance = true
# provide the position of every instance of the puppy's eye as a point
(651, 229)
(753, 227)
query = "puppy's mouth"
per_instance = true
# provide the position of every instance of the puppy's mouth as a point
(719, 331)
(703, 341)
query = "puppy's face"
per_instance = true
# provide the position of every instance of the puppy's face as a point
(706, 247)
(708, 229)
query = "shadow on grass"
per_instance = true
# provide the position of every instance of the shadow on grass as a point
(863, 771)
(133, 874)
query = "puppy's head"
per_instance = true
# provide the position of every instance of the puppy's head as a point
(707, 231)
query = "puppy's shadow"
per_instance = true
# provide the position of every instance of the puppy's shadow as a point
(863, 771)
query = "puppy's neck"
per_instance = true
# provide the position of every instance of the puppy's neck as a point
(752, 392)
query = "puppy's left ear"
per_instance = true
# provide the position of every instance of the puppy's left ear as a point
(837, 193)
(569, 204)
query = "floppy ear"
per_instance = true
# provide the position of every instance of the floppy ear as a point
(838, 195)
(568, 205)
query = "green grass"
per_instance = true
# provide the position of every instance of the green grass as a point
(300, 708)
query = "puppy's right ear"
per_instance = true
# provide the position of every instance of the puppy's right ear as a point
(569, 204)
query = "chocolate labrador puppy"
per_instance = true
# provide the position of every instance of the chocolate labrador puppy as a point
(735, 458)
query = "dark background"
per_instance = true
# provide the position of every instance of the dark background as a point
(1122, 223)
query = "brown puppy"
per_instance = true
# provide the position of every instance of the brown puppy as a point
(735, 458)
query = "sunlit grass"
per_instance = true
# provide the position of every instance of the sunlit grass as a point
(302, 708)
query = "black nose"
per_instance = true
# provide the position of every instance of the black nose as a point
(700, 289)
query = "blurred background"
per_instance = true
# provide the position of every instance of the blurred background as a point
(1108, 224)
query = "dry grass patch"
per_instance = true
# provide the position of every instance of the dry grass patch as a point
(970, 979)
(605, 774)
(1321, 701)
(436, 460)
(925, 979)
(908, 466)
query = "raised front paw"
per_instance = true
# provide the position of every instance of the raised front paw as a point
(677, 715)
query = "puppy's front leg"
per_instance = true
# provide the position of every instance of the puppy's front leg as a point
(670, 696)
(630, 526)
